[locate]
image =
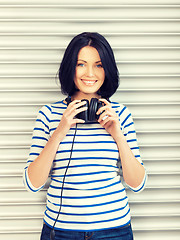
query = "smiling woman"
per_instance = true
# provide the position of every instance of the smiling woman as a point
(86, 198)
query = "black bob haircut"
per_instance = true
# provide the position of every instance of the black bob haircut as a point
(69, 62)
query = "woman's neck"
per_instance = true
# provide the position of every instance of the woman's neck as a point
(80, 96)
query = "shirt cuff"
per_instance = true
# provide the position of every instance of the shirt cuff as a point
(141, 186)
(28, 183)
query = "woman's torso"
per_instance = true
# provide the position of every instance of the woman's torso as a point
(93, 196)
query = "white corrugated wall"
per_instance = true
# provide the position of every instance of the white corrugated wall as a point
(145, 37)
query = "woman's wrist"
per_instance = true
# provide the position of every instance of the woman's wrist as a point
(60, 133)
(118, 136)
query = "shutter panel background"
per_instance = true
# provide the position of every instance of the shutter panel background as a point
(145, 37)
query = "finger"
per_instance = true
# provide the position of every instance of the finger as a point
(104, 115)
(76, 106)
(77, 103)
(77, 120)
(78, 110)
(107, 121)
(73, 102)
(71, 107)
(101, 109)
(105, 101)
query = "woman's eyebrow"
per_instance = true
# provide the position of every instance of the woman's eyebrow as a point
(86, 62)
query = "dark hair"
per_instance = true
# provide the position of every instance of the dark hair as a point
(69, 61)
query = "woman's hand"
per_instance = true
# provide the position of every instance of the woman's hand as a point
(68, 119)
(109, 119)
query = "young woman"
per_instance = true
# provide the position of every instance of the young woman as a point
(84, 142)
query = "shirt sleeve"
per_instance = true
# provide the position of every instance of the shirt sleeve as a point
(39, 139)
(128, 128)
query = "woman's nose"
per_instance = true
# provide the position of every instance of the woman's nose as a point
(90, 72)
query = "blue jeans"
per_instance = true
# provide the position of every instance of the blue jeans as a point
(124, 233)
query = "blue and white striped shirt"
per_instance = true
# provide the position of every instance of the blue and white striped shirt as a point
(94, 197)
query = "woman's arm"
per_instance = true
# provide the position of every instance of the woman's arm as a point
(133, 170)
(45, 149)
(38, 170)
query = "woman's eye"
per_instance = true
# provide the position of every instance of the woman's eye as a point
(80, 64)
(99, 65)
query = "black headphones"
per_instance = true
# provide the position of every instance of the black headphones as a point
(90, 114)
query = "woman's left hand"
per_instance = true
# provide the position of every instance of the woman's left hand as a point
(109, 119)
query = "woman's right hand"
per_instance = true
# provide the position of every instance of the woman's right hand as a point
(68, 119)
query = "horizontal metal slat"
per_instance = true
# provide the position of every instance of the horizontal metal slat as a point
(160, 165)
(156, 222)
(87, 11)
(165, 234)
(93, 2)
(84, 5)
(97, 20)
(130, 25)
(159, 151)
(21, 235)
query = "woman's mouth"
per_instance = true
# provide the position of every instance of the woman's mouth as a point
(88, 82)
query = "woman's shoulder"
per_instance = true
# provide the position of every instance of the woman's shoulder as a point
(123, 113)
(118, 106)
(53, 107)
(59, 104)
(121, 109)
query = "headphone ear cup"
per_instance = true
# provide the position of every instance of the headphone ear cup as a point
(84, 115)
(93, 109)
(99, 105)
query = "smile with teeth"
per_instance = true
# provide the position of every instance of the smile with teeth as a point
(89, 82)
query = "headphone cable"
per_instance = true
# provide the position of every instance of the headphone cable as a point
(52, 233)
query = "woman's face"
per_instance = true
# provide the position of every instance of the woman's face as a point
(89, 74)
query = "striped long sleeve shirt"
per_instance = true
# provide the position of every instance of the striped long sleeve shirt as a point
(94, 196)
